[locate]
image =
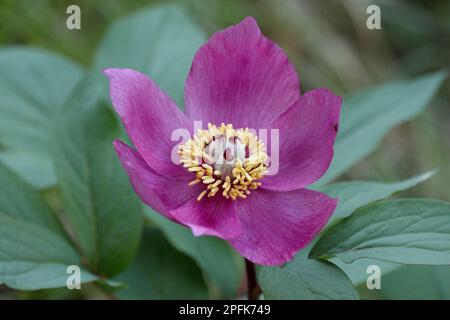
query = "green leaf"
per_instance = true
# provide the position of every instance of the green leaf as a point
(355, 194)
(34, 249)
(159, 41)
(102, 209)
(417, 283)
(20, 202)
(306, 279)
(357, 270)
(33, 84)
(213, 255)
(411, 231)
(33, 257)
(367, 116)
(160, 272)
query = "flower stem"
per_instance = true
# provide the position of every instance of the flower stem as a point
(253, 289)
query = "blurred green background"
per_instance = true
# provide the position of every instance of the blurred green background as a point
(327, 41)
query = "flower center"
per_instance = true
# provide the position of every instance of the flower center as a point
(225, 159)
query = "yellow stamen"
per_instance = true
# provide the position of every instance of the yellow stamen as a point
(201, 195)
(227, 158)
(194, 182)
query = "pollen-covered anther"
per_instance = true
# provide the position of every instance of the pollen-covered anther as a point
(225, 159)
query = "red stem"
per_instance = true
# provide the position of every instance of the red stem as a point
(253, 290)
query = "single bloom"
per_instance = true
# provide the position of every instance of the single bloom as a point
(220, 185)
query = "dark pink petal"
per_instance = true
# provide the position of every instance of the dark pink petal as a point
(275, 225)
(307, 132)
(214, 216)
(150, 118)
(160, 193)
(240, 77)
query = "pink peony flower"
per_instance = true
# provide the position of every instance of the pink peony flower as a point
(239, 79)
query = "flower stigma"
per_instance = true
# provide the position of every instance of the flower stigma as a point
(225, 159)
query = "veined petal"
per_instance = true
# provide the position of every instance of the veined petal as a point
(307, 132)
(275, 225)
(214, 216)
(160, 193)
(240, 77)
(150, 118)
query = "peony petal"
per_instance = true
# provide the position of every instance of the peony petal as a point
(240, 77)
(160, 193)
(306, 137)
(150, 118)
(275, 225)
(214, 216)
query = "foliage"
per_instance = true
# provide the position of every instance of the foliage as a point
(65, 199)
